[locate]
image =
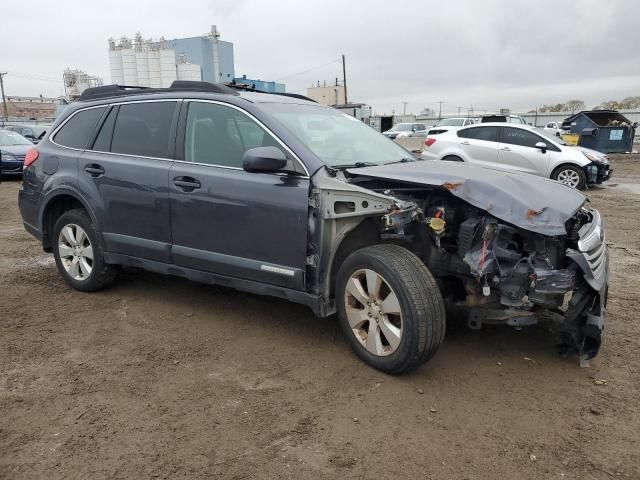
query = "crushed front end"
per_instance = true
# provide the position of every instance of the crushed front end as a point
(492, 272)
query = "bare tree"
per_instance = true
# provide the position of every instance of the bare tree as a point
(575, 105)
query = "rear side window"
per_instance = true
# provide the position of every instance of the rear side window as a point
(517, 136)
(143, 129)
(77, 131)
(489, 134)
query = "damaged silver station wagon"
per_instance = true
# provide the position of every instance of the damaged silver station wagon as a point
(277, 195)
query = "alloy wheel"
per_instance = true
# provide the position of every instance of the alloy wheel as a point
(76, 252)
(373, 312)
(569, 177)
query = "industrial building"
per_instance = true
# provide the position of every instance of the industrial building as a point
(327, 94)
(157, 63)
(31, 108)
(262, 85)
(77, 81)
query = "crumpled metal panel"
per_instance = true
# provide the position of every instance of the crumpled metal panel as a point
(526, 201)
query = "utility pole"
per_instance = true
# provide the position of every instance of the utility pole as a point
(4, 100)
(404, 109)
(440, 111)
(459, 108)
(344, 79)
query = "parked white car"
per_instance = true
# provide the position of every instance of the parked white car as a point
(404, 130)
(519, 148)
(554, 127)
(447, 124)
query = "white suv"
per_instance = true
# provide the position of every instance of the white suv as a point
(519, 148)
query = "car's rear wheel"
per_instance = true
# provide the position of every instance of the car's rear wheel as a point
(571, 176)
(78, 253)
(390, 308)
(452, 158)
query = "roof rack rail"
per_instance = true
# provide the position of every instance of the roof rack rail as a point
(107, 91)
(247, 88)
(197, 86)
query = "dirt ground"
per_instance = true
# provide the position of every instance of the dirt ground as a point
(158, 377)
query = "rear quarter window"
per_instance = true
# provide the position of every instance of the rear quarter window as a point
(78, 130)
(489, 134)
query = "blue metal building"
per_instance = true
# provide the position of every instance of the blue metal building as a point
(199, 50)
(262, 85)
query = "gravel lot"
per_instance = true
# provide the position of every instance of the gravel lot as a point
(158, 377)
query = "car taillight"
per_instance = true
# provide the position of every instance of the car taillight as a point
(429, 141)
(30, 157)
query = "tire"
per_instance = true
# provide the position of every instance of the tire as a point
(414, 334)
(79, 254)
(452, 158)
(571, 176)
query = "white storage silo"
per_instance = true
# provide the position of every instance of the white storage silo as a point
(189, 71)
(115, 67)
(129, 69)
(153, 61)
(142, 65)
(167, 67)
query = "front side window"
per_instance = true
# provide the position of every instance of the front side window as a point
(143, 129)
(518, 136)
(401, 127)
(488, 134)
(220, 135)
(77, 131)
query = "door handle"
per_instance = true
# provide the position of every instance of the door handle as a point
(94, 170)
(465, 143)
(505, 149)
(188, 184)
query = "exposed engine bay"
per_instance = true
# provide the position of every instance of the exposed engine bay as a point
(489, 270)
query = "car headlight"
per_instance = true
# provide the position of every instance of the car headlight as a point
(7, 156)
(595, 158)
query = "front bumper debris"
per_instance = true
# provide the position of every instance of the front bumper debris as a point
(583, 285)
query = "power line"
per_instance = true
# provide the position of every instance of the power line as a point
(309, 70)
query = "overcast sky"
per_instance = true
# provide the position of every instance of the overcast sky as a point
(490, 53)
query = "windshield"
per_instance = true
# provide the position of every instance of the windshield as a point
(8, 138)
(401, 127)
(550, 136)
(335, 138)
(451, 122)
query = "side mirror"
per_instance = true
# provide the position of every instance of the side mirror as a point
(263, 159)
(542, 146)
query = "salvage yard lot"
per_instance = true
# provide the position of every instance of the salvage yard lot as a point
(158, 377)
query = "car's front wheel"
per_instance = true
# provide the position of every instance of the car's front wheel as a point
(571, 176)
(390, 308)
(78, 253)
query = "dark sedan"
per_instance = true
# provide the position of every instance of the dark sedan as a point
(13, 148)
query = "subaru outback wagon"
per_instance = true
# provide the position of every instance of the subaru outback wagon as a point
(277, 195)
